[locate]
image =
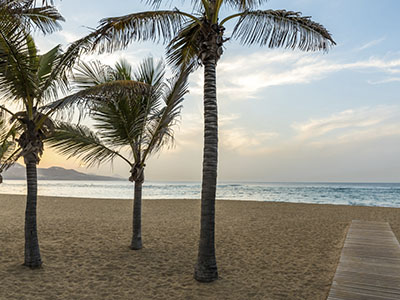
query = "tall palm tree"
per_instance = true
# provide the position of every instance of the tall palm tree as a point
(195, 39)
(139, 125)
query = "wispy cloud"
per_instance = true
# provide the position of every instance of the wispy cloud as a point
(371, 44)
(386, 80)
(242, 77)
(246, 142)
(231, 136)
(350, 126)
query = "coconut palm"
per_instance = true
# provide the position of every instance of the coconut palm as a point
(31, 82)
(130, 128)
(197, 38)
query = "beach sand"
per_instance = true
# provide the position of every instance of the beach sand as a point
(264, 250)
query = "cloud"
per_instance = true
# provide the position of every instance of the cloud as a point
(350, 126)
(386, 80)
(231, 137)
(371, 44)
(242, 77)
(246, 142)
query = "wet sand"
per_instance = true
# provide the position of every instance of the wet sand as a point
(264, 250)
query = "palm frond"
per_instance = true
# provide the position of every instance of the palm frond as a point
(62, 66)
(160, 129)
(120, 121)
(183, 50)
(46, 62)
(153, 74)
(92, 73)
(281, 28)
(150, 72)
(123, 70)
(9, 151)
(118, 32)
(99, 93)
(17, 74)
(46, 19)
(79, 141)
(244, 4)
(26, 15)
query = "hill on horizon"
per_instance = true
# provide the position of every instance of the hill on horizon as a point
(17, 172)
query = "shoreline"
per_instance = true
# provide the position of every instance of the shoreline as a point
(197, 199)
(265, 250)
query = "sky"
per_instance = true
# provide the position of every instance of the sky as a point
(284, 115)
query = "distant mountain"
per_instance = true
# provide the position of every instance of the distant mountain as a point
(54, 173)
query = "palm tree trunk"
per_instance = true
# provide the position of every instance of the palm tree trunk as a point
(32, 251)
(136, 243)
(206, 267)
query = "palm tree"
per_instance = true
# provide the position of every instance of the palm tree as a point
(139, 125)
(31, 82)
(196, 39)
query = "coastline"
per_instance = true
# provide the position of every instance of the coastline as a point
(265, 250)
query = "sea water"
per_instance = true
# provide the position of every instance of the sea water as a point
(364, 194)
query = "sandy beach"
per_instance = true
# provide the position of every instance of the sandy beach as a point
(264, 250)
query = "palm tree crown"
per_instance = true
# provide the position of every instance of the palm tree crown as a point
(189, 35)
(139, 122)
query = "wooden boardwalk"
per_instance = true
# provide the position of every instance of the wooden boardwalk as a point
(369, 266)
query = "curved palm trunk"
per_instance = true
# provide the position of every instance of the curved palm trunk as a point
(32, 251)
(206, 267)
(136, 243)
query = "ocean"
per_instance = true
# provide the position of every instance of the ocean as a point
(362, 194)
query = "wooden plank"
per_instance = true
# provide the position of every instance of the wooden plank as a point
(369, 266)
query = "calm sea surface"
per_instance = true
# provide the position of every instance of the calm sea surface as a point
(370, 194)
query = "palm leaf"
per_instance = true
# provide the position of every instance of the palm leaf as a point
(183, 50)
(62, 65)
(9, 151)
(92, 73)
(244, 4)
(17, 74)
(99, 93)
(281, 28)
(79, 141)
(46, 19)
(26, 15)
(160, 129)
(123, 70)
(117, 33)
(46, 62)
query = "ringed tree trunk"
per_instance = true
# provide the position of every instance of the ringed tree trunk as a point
(138, 178)
(206, 267)
(31, 141)
(32, 251)
(136, 243)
